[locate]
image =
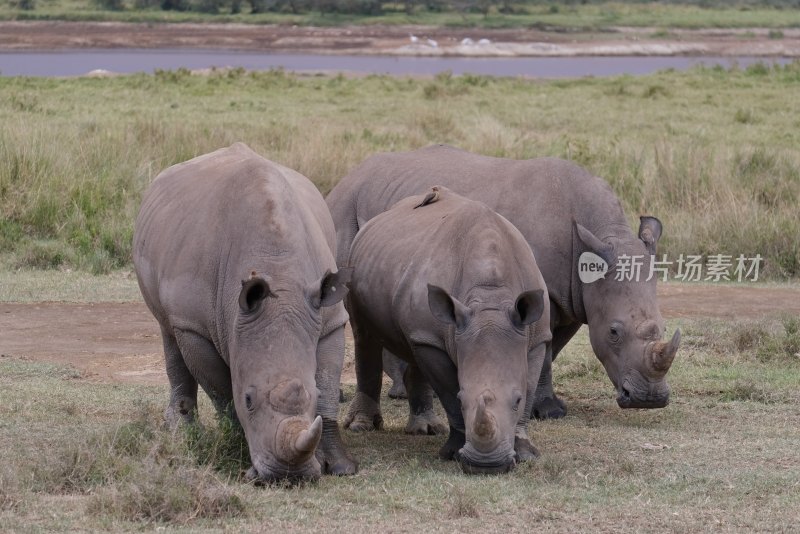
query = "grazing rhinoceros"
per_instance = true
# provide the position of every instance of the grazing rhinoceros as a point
(233, 255)
(453, 289)
(563, 211)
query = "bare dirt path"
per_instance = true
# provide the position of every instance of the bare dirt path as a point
(393, 40)
(120, 342)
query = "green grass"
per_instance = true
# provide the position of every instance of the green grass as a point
(579, 16)
(67, 286)
(722, 456)
(712, 152)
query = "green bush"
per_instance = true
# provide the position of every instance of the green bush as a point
(110, 5)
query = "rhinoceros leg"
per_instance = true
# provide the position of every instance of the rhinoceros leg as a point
(395, 368)
(547, 405)
(442, 374)
(208, 369)
(421, 418)
(183, 387)
(365, 410)
(524, 449)
(331, 452)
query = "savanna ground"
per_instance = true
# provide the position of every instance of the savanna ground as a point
(82, 390)
(712, 152)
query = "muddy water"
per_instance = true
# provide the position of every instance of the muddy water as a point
(78, 62)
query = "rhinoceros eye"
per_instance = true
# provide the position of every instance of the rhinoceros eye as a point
(248, 401)
(516, 401)
(615, 333)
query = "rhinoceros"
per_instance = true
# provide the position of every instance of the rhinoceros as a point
(453, 289)
(563, 211)
(233, 254)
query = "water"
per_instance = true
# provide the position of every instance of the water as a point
(78, 62)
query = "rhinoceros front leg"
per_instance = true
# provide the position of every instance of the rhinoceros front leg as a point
(208, 368)
(547, 405)
(395, 368)
(524, 449)
(365, 410)
(183, 387)
(442, 374)
(421, 418)
(331, 452)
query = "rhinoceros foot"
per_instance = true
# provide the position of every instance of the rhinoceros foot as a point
(524, 449)
(549, 408)
(426, 423)
(398, 391)
(332, 454)
(180, 411)
(364, 414)
(455, 442)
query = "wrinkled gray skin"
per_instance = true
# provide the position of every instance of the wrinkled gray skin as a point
(233, 255)
(453, 289)
(563, 211)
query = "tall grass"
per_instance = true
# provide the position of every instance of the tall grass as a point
(76, 155)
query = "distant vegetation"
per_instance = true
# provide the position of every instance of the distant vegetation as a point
(553, 14)
(712, 152)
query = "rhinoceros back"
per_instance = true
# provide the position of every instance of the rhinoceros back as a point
(541, 197)
(206, 223)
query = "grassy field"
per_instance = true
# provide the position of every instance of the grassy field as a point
(712, 152)
(555, 15)
(79, 455)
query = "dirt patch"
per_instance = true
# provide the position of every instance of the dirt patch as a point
(393, 40)
(110, 342)
(120, 342)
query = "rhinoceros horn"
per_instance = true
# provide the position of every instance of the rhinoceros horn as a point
(484, 422)
(663, 353)
(308, 439)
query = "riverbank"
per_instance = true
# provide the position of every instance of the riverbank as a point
(399, 40)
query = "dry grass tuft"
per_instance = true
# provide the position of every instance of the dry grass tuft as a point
(158, 494)
(749, 390)
(10, 495)
(462, 505)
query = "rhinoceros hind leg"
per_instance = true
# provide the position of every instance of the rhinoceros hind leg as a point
(549, 408)
(421, 418)
(364, 414)
(395, 368)
(365, 410)
(547, 405)
(183, 387)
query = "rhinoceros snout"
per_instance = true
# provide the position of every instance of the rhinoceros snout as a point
(269, 474)
(473, 462)
(658, 399)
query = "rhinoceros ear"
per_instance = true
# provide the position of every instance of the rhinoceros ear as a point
(649, 232)
(528, 309)
(332, 288)
(254, 291)
(593, 243)
(447, 309)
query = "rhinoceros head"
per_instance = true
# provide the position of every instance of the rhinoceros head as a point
(491, 349)
(625, 324)
(273, 364)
